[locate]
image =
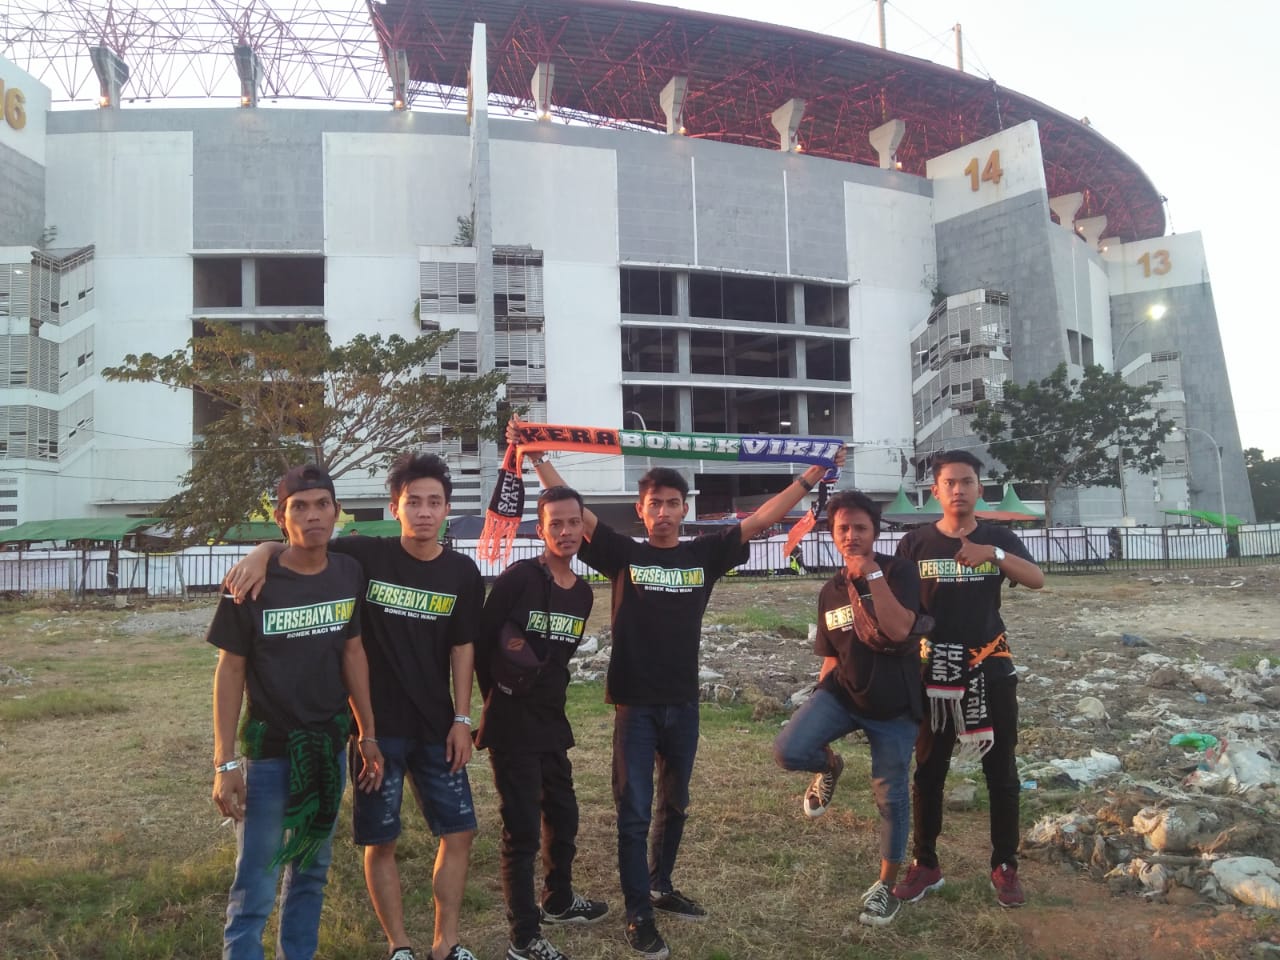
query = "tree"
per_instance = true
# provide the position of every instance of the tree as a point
(294, 397)
(1264, 484)
(1071, 433)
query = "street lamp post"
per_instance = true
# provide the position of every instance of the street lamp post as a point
(1153, 315)
(1222, 490)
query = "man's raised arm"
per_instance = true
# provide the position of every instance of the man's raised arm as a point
(776, 507)
(549, 476)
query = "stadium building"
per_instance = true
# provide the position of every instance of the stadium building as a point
(647, 217)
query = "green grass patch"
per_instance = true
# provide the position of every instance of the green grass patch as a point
(1246, 661)
(763, 619)
(61, 705)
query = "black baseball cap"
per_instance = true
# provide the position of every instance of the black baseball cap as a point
(305, 477)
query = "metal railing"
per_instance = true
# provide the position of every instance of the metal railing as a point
(81, 574)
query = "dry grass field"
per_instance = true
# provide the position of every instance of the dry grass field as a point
(111, 848)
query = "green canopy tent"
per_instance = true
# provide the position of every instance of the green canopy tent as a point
(1010, 508)
(113, 529)
(1211, 517)
(932, 510)
(900, 509)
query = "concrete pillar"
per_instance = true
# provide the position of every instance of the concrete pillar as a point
(113, 74)
(249, 69)
(398, 69)
(248, 282)
(1065, 207)
(544, 78)
(482, 236)
(684, 409)
(1091, 229)
(885, 139)
(786, 120)
(672, 100)
(683, 352)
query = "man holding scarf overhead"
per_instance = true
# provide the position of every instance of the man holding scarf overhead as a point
(970, 682)
(660, 590)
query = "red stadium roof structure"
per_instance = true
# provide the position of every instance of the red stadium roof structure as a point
(613, 58)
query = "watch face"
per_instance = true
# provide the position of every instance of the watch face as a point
(999, 554)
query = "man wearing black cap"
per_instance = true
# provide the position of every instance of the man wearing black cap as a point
(296, 652)
(421, 611)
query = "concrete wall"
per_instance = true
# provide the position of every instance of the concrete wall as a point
(22, 157)
(892, 269)
(1139, 279)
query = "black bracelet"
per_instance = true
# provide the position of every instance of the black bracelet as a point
(804, 483)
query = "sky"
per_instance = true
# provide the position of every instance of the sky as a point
(1186, 89)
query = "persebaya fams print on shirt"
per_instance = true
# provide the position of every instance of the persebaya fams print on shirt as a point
(947, 570)
(668, 579)
(564, 627)
(312, 619)
(410, 601)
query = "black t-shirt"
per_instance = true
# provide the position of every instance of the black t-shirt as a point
(877, 685)
(415, 613)
(964, 601)
(292, 638)
(659, 596)
(534, 720)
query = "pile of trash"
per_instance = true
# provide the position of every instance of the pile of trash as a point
(1213, 836)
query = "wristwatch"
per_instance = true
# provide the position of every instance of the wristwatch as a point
(999, 555)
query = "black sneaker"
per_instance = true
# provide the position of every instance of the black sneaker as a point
(536, 949)
(644, 939)
(402, 953)
(582, 910)
(879, 906)
(459, 952)
(677, 904)
(823, 788)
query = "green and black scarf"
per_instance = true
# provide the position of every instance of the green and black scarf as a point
(315, 784)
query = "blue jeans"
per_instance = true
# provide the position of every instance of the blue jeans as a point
(443, 797)
(802, 745)
(253, 891)
(643, 735)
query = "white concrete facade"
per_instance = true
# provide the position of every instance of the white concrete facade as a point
(811, 275)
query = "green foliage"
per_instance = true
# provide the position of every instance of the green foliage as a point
(1264, 484)
(1068, 433)
(295, 397)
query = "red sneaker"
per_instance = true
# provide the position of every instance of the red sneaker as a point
(1004, 881)
(918, 881)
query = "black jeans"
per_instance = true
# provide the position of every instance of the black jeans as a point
(933, 760)
(539, 811)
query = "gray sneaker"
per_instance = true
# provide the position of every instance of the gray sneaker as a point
(536, 949)
(879, 906)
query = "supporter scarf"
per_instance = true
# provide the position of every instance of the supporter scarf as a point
(315, 785)
(957, 691)
(506, 506)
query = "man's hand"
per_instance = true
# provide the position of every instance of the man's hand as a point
(859, 565)
(513, 431)
(244, 581)
(974, 554)
(371, 768)
(457, 746)
(229, 793)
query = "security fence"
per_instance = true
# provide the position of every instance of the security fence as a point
(199, 570)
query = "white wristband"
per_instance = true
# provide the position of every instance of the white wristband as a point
(227, 767)
(460, 718)
(874, 575)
